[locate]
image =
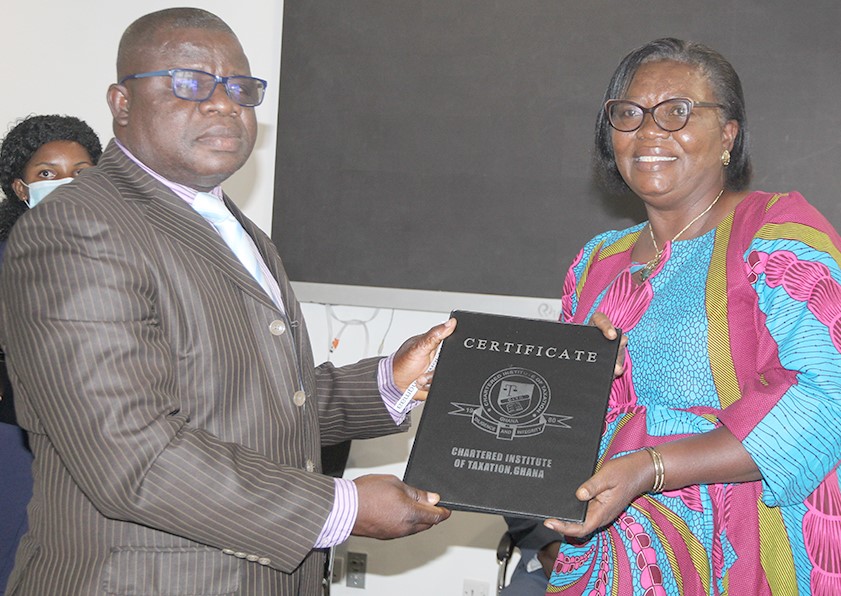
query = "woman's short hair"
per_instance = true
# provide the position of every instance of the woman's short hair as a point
(27, 136)
(725, 85)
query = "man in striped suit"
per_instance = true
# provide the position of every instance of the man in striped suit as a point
(173, 408)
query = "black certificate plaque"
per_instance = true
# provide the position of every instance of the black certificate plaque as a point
(514, 416)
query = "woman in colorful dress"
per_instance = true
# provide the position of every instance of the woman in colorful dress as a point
(718, 462)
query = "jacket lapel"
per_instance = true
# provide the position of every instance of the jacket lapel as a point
(173, 217)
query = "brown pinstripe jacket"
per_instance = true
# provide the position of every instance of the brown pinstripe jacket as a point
(155, 378)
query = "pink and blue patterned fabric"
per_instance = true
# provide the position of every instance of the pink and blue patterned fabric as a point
(739, 327)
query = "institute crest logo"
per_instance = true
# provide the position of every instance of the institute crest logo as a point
(512, 403)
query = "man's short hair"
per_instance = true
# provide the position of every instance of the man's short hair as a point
(142, 31)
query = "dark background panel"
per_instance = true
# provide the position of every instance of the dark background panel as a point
(446, 144)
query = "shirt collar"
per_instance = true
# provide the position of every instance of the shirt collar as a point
(185, 192)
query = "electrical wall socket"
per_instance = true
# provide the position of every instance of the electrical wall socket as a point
(357, 565)
(473, 587)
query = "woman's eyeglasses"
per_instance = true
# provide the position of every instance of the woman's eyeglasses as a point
(670, 115)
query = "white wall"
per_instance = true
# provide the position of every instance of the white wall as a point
(59, 57)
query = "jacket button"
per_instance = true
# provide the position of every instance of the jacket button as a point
(252, 558)
(264, 561)
(299, 398)
(277, 327)
(227, 551)
(310, 466)
(240, 555)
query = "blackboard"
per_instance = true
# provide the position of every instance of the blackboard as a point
(445, 145)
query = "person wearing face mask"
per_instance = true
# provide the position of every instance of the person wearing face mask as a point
(38, 154)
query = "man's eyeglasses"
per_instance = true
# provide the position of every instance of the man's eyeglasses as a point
(670, 115)
(197, 85)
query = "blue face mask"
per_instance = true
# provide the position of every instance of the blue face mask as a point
(39, 190)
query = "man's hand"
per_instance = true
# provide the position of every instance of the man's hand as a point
(415, 355)
(388, 508)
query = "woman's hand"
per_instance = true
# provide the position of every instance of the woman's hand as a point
(601, 321)
(713, 457)
(610, 491)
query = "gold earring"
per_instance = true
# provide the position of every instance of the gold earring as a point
(725, 158)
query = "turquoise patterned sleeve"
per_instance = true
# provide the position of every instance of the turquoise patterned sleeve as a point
(798, 442)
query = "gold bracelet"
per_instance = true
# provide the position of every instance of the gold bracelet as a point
(659, 470)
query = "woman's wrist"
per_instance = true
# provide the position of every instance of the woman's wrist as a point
(659, 470)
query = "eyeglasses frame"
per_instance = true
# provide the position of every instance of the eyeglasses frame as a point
(692, 105)
(217, 79)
